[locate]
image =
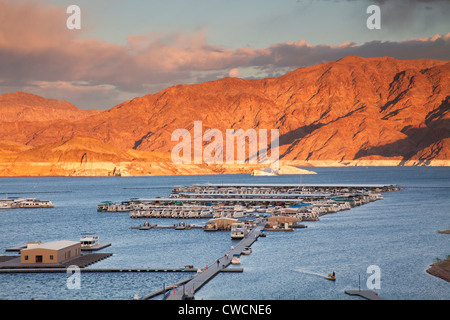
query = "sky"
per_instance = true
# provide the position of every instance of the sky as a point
(125, 49)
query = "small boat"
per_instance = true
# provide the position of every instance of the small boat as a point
(147, 226)
(180, 226)
(210, 227)
(247, 250)
(331, 277)
(103, 206)
(6, 204)
(236, 259)
(89, 240)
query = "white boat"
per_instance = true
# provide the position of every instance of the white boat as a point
(247, 250)
(7, 204)
(238, 231)
(89, 240)
(239, 214)
(236, 259)
(34, 203)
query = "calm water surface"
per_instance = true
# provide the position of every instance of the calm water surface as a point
(398, 234)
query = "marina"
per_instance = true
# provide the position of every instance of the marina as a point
(330, 243)
(245, 211)
(306, 202)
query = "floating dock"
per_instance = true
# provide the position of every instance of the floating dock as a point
(366, 294)
(11, 263)
(188, 290)
(108, 270)
(176, 227)
(182, 282)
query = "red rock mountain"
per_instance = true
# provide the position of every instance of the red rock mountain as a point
(353, 108)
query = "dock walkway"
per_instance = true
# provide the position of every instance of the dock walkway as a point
(193, 285)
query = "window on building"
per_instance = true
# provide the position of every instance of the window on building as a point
(51, 257)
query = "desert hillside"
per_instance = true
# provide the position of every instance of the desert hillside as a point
(22, 106)
(351, 111)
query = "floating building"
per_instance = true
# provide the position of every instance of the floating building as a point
(51, 252)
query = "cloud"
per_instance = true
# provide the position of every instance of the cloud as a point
(298, 54)
(233, 72)
(39, 54)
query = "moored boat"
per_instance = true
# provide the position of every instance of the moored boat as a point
(7, 204)
(180, 226)
(89, 240)
(236, 259)
(238, 231)
(35, 203)
(103, 206)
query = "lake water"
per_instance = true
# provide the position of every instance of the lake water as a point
(398, 234)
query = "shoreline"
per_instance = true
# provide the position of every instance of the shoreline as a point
(441, 268)
(167, 168)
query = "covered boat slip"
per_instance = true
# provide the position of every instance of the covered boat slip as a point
(273, 190)
(294, 185)
(224, 200)
(276, 190)
(251, 195)
(210, 196)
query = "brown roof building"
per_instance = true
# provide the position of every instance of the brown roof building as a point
(51, 252)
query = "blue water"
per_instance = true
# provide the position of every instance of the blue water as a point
(398, 234)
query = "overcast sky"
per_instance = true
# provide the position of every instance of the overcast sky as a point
(130, 48)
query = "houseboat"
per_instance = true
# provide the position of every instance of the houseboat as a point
(89, 240)
(238, 231)
(103, 206)
(35, 203)
(8, 203)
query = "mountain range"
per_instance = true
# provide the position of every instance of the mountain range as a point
(355, 110)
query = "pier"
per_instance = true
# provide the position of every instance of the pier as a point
(61, 269)
(188, 289)
(175, 227)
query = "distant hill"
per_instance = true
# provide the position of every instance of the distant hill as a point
(22, 106)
